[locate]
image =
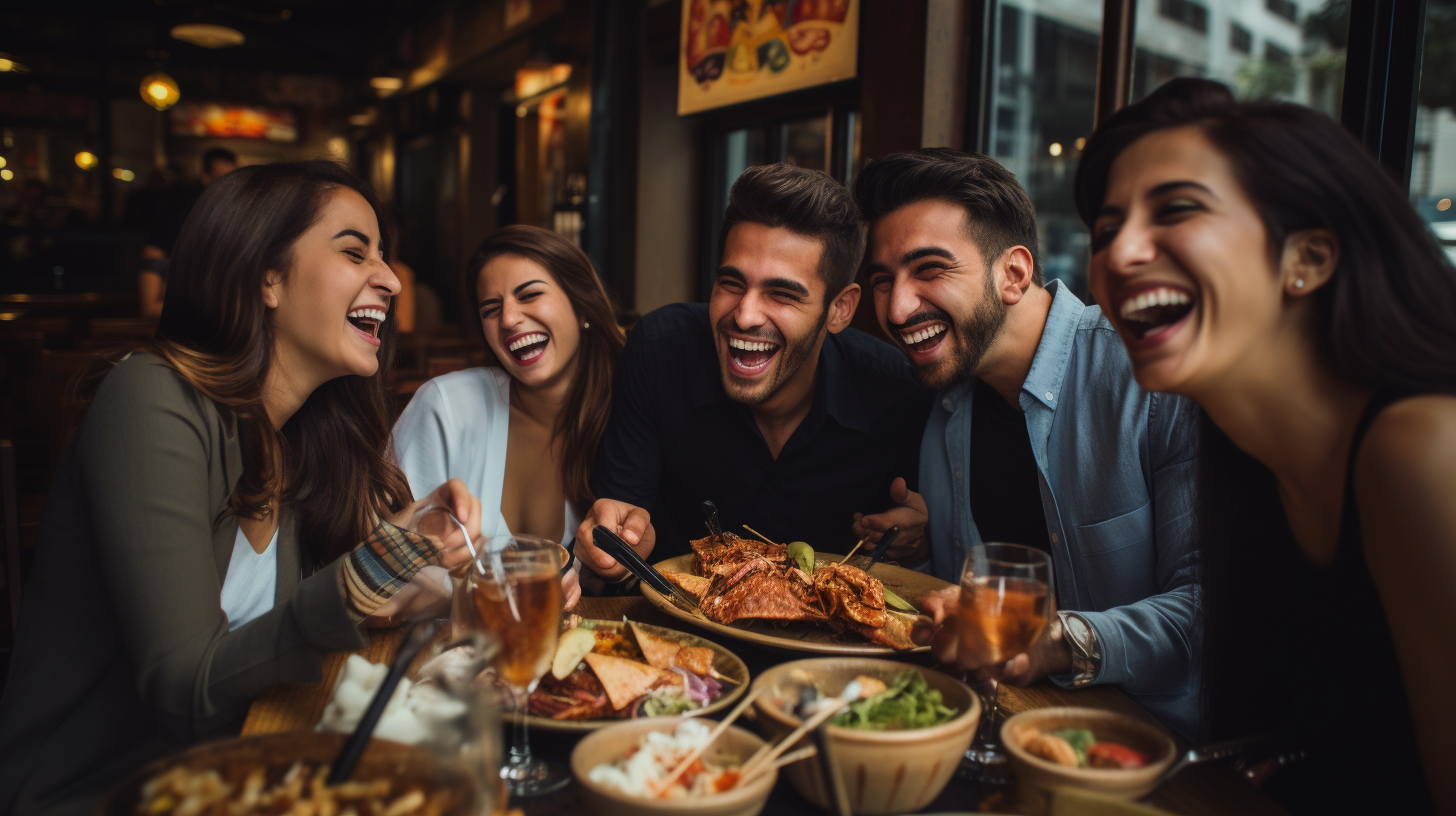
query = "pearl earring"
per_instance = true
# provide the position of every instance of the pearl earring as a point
(1299, 283)
(585, 325)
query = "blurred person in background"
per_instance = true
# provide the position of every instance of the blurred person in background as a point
(523, 432)
(1310, 312)
(225, 515)
(167, 225)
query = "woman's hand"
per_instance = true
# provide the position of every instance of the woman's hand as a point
(426, 596)
(632, 524)
(570, 589)
(445, 534)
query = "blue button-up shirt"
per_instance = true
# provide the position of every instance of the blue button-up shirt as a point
(1117, 467)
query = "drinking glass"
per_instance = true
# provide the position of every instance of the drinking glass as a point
(462, 717)
(1005, 601)
(515, 585)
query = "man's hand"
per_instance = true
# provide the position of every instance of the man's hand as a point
(941, 625)
(912, 546)
(632, 524)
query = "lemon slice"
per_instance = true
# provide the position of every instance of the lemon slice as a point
(570, 649)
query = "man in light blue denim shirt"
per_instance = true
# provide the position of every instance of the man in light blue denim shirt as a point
(957, 286)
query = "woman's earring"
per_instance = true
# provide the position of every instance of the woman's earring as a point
(1299, 283)
(585, 325)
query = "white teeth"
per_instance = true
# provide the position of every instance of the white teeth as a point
(911, 338)
(748, 345)
(1158, 297)
(528, 339)
(369, 313)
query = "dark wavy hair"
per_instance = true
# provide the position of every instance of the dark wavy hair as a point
(998, 210)
(806, 202)
(583, 419)
(330, 461)
(1384, 321)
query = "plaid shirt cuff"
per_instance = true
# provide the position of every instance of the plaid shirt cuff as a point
(381, 566)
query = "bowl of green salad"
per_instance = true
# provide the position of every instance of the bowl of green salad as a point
(897, 745)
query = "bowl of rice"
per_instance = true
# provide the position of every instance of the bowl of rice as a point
(621, 770)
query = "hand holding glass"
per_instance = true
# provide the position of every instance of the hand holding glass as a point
(1005, 601)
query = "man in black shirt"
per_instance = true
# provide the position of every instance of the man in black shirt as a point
(762, 400)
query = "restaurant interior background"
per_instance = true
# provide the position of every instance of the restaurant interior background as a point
(472, 114)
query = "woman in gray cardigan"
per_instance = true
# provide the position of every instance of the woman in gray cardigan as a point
(226, 514)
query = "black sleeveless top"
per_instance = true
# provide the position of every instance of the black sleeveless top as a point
(1349, 706)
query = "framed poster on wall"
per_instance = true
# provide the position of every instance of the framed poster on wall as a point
(736, 50)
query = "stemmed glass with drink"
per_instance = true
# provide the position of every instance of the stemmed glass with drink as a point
(515, 586)
(1005, 601)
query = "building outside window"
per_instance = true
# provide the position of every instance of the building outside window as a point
(1287, 9)
(1186, 12)
(1433, 165)
(1241, 39)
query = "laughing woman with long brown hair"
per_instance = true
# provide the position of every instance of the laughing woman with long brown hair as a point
(1254, 257)
(523, 433)
(226, 513)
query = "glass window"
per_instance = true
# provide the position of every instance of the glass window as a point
(1043, 92)
(1433, 165)
(806, 142)
(742, 149)
(1292, 50)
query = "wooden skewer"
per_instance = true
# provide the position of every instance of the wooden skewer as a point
(712, 736)
(761, 535)
(788, 742)
(853, 551)
(787, 759)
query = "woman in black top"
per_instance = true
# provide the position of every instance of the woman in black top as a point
(1255, 258)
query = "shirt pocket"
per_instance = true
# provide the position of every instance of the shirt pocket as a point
(1119, 558)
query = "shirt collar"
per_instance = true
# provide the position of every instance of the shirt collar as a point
(1049, 366)
(834, 390)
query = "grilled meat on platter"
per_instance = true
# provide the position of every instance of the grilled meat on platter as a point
(741, 579)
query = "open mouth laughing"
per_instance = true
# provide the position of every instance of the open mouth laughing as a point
(368, 321)
(923, 339)
(528, 347)
(1152, 313)
(749, 358)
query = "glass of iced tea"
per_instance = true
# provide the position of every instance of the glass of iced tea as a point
(515, 587)
(1005, 602)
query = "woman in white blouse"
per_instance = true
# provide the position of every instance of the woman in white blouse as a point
(523, 432)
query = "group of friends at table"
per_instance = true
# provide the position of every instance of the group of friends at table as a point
(1242, 465)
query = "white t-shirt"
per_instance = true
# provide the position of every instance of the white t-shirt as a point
(457, 426)
(251, 582)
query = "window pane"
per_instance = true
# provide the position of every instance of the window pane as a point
(742, 149)
(806, 143)
(1292, 50)
(1042, 94)
(1433, 168)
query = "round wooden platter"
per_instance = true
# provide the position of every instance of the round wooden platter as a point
(804, 637)
(724, 662)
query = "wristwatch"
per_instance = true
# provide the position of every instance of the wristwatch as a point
(1086, 653)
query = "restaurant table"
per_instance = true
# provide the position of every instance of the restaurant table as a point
(1198, 790)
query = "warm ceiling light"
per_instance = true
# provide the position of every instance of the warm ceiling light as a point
(6, 174)
(160, 91)
(386, 83)
(2, 161)
(85, 160)
(9, 64)
(1055, 149)
(361, 119)
(207, 35)
(124, 175)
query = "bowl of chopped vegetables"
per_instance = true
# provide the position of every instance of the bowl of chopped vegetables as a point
(898, 744)
(1085, 748)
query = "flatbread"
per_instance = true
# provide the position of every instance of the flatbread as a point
(694, 585)
(624, 680)
(657, 651)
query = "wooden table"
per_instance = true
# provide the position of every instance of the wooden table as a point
(1199, 790)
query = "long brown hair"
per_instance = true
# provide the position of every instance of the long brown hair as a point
(330, 460)
(583, 420)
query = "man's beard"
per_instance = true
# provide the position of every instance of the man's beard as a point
(792, 356)
(973, 336)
